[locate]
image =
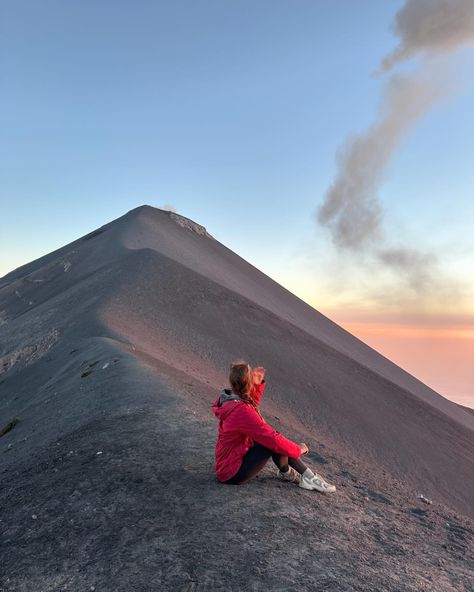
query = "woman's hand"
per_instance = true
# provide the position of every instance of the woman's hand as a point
(258, 375)
(304, 448)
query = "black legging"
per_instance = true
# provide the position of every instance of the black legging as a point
(257, 457)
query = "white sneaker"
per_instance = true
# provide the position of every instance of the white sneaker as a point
(290, 475)
(316, 482)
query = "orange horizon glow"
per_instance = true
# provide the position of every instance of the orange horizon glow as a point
(410, 331)
(441, 356)
(433, 343)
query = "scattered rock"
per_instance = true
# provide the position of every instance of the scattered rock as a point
(424, 499)
(29, 353)
(8, 427)
(418, 511)
(189, 224)
(375, 496)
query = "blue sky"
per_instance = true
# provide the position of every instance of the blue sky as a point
(232, 112)
(210, 106)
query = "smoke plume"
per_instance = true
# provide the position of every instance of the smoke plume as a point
(419, 269)
(351, 209)
(168, 208)
(431, 27)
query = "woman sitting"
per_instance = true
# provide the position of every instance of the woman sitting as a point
(246, 442)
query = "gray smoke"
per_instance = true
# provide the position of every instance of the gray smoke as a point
(419, 269)
(431, 27)
(168, 208)
(351, 209)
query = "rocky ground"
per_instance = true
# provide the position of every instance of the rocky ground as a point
(128, 501)
(112, 350)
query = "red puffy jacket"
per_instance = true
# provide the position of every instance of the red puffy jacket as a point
(239, 426)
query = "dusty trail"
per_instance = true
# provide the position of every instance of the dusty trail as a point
(111, 356)
(148, 514)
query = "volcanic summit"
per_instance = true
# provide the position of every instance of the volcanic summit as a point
(112, 350)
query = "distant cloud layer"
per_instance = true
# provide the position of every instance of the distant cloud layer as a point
(351, 209)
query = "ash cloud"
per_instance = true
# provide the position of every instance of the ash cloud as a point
(431, 27)
(419, 269)
(351, 209)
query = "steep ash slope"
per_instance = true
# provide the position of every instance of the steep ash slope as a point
(193, 324)
(110, 355)
(158, 230)
(125, 499)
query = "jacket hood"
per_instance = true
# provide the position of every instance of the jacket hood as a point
(222, 410)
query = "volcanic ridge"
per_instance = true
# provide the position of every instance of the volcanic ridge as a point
(113, 349)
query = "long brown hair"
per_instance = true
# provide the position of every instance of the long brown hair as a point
(241, 381)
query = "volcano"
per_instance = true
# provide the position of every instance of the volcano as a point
(113, 349)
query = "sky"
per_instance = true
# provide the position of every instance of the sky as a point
(296, 132)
